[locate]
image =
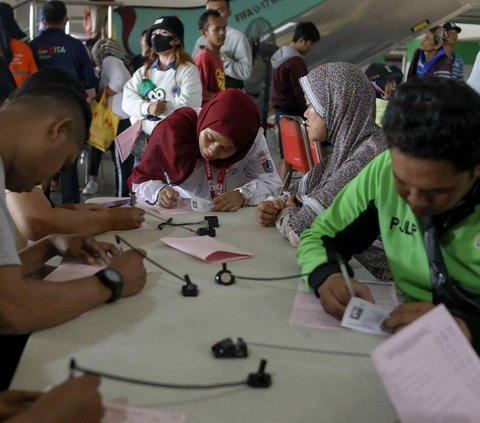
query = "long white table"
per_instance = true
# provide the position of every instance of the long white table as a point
(161, 335)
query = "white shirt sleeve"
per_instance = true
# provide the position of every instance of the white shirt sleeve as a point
(114, 75)
(260, 170)
(474, 79)
(148, 191)
(133, 104)
(200, 42)
(236, 55)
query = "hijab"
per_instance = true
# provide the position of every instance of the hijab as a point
(8, 29)
(234, 114)
(108, 47)
(345, 99)
(173, 148)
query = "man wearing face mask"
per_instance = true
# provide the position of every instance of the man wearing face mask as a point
(168, 80)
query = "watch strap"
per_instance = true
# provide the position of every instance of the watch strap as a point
(115, 286)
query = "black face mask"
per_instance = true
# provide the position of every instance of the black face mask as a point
(162, 43)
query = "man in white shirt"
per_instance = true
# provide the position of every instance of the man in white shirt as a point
(236, 52)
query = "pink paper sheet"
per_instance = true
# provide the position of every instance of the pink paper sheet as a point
(307, 312)
(124, 142)
(143, 227)
(118, 413)
(73, 270)
(207, 249)
(430, 371)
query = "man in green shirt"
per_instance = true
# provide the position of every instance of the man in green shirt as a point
(423, 198)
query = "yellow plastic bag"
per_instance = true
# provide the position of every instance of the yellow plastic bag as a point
(104, 127)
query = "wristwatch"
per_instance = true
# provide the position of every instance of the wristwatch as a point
(246, 194)
(113, 280)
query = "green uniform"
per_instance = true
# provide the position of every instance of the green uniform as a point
(370, 206)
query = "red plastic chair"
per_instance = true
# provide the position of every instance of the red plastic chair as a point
(299, 153)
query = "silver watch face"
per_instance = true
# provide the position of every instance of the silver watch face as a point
(246, 193)
(112, 275)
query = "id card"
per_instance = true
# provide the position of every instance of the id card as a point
(364, 316)
(201, 205)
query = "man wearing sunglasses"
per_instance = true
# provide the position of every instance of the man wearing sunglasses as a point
(423, 197)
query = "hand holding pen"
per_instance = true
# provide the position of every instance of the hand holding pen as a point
(346, 276)
(337, 290)
(168, 197)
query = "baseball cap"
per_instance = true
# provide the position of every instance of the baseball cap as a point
(447, 26)
(381, 71)
(169, 23)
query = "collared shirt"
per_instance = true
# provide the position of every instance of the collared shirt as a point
(171, 65)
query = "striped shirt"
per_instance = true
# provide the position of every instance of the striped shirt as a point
(457, 67)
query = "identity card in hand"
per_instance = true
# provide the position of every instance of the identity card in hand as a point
(364, 316)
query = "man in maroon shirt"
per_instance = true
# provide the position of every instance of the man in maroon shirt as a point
(213, 27)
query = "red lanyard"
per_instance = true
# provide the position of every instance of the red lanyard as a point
(214, 191)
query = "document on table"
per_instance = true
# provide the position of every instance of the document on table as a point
(184, 206)
(143, 227)
(308, 312)
(118, 413)
(430, 371)
(206, 248)
(125, 140)
(73, 270)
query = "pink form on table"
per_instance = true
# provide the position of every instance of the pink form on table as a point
(430, 371)
(73, 270)
(307, 311)
(119, 413)
(206, 248)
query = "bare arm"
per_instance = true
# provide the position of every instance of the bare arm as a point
(35, 218)
(24, 302)
(28, 305)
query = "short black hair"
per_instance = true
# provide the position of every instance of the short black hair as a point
(63, 88)
(435, 118)
(306, 30)
(54, 12)
(203, 19)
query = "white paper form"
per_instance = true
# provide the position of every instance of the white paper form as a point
(308, 312)
(430, 371)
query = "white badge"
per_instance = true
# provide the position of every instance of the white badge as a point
(201, 205)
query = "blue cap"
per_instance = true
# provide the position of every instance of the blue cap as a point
(447, 26)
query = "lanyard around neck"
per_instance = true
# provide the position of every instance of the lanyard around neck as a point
(218, 188)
